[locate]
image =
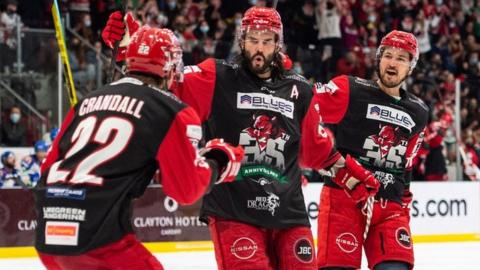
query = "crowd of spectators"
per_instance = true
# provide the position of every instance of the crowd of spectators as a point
(324, 38)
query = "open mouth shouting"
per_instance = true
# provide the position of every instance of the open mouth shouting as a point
(258, 60)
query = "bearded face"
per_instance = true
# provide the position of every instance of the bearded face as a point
(259, 50)
(394, 67)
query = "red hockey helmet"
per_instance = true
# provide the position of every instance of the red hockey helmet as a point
(401, 40)
(152, 50)
(262, 18)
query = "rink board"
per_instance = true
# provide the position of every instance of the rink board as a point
(441, 211)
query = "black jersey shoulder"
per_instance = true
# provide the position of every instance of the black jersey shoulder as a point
(414, 99)
(297, 77)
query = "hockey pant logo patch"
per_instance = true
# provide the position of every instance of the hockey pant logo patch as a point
(244, 248)
(303, 250)
(403, 238)
(347, 242)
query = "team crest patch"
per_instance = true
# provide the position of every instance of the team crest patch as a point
(303, 250)
(403, 238)
(244, 248)
(347, 242)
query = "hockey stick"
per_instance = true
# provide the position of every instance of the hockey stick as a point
(112, 69)
(67, 72)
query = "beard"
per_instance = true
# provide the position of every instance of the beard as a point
(391, 81)
(258, 63)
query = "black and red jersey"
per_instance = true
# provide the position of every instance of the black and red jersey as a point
(108, 149)
(278, 124)
(382, 132)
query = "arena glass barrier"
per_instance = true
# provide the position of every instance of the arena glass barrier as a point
(441, 211)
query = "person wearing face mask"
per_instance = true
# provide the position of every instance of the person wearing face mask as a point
(13, 132)
(202, 30)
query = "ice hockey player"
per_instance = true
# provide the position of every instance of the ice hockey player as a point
(380, 125)
(108, 148)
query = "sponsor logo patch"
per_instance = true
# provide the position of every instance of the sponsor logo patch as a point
(385, 178)
(390, 115)
(259, 101)
(403, 238)
(261, 174)
(64, 213)
(303, 250)
(61, 233)
(194, 134)
(347, 242)
(244, 248)
(269, 203)
(330, 88)
(66, 193)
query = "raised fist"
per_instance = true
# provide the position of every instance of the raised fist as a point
(114, 31)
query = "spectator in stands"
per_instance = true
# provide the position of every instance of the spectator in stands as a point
(77, 9)
(327, 15)
(471, 160)
(9, 176)
(83, 71)
(84, 28)
(13, 132)
(8, 38)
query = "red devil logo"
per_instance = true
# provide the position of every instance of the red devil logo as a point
(386, 139)
(264, 129)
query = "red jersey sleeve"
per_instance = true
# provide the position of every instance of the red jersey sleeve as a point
(413, 148)
(333, 99)
(53, 152)
(198, 86)
(185, 175)
(317, 145)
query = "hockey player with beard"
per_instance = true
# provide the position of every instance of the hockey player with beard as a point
(106, 153)
(259, 221)
(380, 125)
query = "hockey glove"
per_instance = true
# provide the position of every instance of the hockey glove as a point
(356, 181)
(228, 157)
(115, 30)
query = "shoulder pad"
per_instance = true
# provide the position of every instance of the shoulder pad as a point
(365, 82)
(418, 101)
(296, 77)
(228, 64)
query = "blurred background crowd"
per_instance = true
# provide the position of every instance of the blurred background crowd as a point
(324, 38)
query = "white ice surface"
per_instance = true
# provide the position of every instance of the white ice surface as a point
(437, 256)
